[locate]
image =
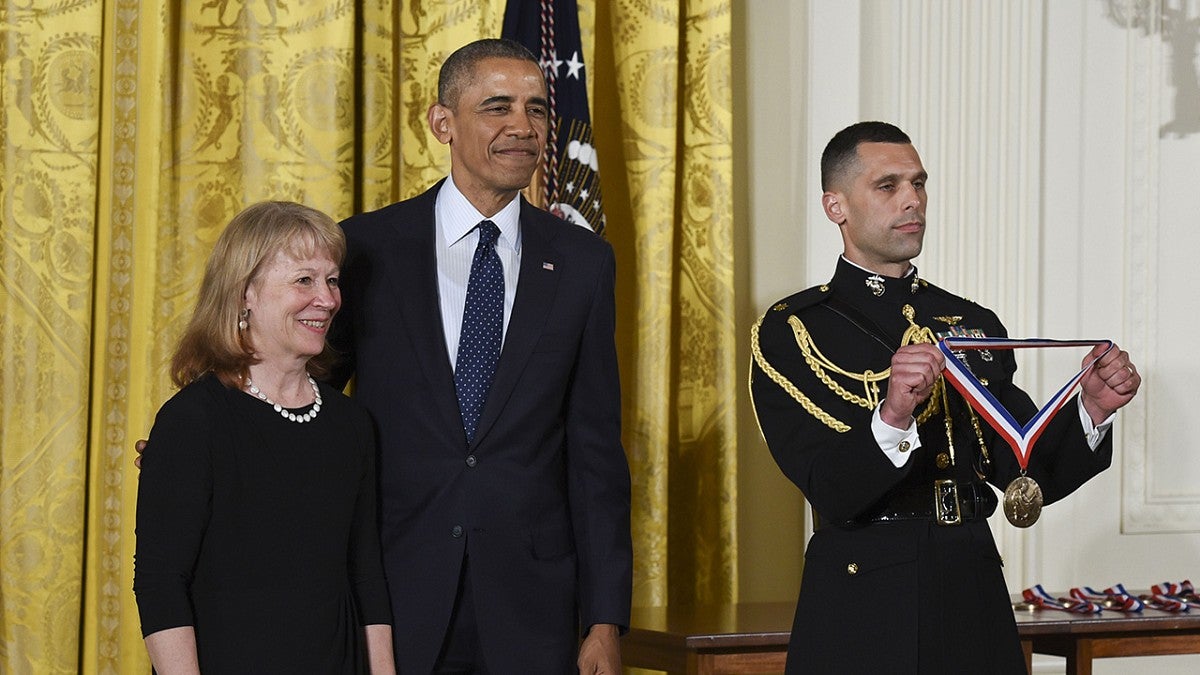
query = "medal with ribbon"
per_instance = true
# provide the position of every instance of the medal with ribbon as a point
(1172, 597)
(1037, 597)
(1114, 598)
(1023, 497)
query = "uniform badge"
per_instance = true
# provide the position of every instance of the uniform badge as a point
(875, 283)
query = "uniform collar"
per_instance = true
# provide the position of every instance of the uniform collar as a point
(861, 283)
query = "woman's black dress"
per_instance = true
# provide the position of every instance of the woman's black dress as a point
(260, 532)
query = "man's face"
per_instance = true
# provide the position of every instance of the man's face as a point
(880, 207)
(496, 130)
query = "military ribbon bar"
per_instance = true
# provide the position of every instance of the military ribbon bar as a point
(1020, 436)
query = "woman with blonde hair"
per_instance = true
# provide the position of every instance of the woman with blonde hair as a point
(257, 548)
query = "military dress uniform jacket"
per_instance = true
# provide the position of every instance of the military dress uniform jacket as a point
(884, 585)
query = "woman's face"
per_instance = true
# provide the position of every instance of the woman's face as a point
(291, 304)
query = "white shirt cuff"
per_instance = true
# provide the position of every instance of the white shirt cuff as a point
(1094, 432)
(897, 444)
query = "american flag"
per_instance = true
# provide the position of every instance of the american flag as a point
(570, 178)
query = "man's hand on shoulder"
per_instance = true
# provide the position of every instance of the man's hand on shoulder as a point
(600, 651)
(139, 447)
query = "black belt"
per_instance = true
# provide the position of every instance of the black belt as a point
(946, 502)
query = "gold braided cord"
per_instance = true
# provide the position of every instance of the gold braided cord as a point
(986, 460)
(930, 410)
(793, 391)
(915, 334)
(818, 363)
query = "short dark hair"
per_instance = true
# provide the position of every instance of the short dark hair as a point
(842, 151)
(459, 67)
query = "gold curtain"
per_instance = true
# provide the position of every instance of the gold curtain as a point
(133, 130)
(671, 223)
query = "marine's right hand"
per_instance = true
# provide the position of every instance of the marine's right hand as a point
(915, 369)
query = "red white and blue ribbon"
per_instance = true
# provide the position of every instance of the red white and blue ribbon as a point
(1021, 437)
(1038, 597)
(1173, 597)
(1115, 598)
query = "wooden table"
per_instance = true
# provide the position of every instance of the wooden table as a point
(710, 640)
(753, 637)
(1083, 637)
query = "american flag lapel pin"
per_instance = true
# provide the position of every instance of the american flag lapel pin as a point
(548, 266)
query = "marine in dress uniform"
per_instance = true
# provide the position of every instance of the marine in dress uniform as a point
(902, 569)
(902, 574)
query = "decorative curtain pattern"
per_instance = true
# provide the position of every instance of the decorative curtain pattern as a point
(134, 129)
(672, 66)
(50, 119)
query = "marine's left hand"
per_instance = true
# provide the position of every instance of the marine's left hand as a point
(1110, 384)
(600, 651)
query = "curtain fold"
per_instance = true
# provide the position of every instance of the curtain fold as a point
(50, 119)
(671, 67)
(134, 129)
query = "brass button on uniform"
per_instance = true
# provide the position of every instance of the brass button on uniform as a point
(904, 446)
(943, 460)
(852, 568)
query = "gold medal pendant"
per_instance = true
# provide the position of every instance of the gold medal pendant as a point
(1023, 501)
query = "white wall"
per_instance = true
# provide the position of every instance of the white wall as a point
(1063, 145)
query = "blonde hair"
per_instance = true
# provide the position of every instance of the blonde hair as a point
(212, 340)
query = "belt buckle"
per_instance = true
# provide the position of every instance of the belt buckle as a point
(945, 502)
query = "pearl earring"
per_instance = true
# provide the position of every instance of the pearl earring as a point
(243, 324)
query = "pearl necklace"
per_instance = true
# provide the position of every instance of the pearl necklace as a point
(285, 413)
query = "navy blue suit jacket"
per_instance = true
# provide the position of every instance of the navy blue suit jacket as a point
(540, 501)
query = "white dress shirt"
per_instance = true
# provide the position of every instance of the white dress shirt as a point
(455, 240)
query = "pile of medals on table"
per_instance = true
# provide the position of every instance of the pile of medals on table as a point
(1166, 597)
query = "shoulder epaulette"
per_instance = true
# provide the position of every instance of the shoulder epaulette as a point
(784, 311)
(932, 288)
(806, 298)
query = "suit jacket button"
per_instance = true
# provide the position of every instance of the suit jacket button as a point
(456, 531)
(852, 569)
(471, 461)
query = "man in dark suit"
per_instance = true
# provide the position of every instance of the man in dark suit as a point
(902, 574)
(505, 529)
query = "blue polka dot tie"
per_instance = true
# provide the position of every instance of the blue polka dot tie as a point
(482, 329)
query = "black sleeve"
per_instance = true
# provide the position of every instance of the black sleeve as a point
(597, 469)
(366, 562)
(173, 508)
(824, 444)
